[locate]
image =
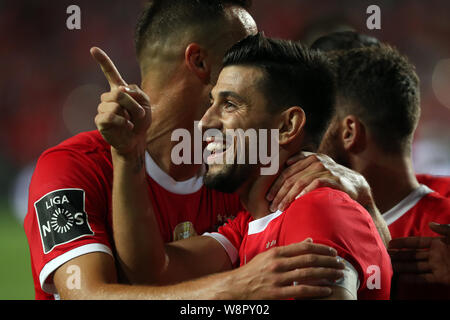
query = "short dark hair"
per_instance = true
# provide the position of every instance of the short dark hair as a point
(381, 87)
(344, 40)
(162, 18)
(293, 76)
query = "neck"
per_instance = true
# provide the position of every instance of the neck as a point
(253, 193)
(391, 178)
(166, 101)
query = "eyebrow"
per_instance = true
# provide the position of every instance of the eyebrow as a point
(226, 94)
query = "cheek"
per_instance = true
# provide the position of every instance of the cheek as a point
(332, 146)
(238, 119)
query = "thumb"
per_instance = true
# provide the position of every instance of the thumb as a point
(138, 94)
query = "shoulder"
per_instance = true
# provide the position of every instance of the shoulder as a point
(79, 162)
(434, 203)
(440, 184)
(79, 148)
(329, 214)
(84, 142)
(428, 178)
(329, 202)
(236, 227)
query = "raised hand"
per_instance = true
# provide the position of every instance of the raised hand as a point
(124, 114)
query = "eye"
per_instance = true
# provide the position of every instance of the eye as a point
(228, 105)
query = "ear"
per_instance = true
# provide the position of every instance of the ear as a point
(195, 58)
(292, 122)
(353, 134)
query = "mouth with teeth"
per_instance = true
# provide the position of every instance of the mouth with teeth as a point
(217, 148)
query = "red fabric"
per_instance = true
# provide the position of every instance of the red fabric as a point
(440, 184)
(329, 217)
(84, 162)
(414, 223)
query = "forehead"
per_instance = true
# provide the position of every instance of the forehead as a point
(240, 79)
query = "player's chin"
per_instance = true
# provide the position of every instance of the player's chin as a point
(215, 170)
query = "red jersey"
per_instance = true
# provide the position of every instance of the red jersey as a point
(440, 184)
(327, 216)
(69, 206)
(410, 217)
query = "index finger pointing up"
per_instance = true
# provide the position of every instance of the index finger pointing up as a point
(109, 69)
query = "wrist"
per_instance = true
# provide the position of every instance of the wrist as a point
(226, 287)
(134, 159)
(127, 155)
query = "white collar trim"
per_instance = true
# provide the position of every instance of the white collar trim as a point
(259, 225)
(167, 182)
(406, 204)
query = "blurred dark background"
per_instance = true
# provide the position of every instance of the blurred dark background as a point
(50, 85)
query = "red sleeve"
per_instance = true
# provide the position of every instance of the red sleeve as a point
(67, 212)
(231, 234)
(330, 217)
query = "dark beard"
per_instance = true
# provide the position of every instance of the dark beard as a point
(331, 145)
(229, 179)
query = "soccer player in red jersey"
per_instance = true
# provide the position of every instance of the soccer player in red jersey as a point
(347, 40)
(278, 85)
(377, 112)
(69, 223)
(402, 196)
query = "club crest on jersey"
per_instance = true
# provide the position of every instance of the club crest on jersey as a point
(62, 217)
(184, 230)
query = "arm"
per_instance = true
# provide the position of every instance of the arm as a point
(98, 281)
(268, 276)
(123, 119)
(139, 245)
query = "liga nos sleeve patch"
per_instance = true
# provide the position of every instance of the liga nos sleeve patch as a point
(62, 217)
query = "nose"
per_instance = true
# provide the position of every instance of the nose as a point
(211, 119)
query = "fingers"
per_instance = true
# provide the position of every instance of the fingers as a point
(107, 120)
(308, 275)
(296, 177)
(113, 107)
(304, 292)
(410, 243)
(137, 94)
(418, 278)
(442, 229)
(109, 69)
(411, 267)
(408, 255)
(311, 261)
(123, 99)
(304, 247)
(320, 183)
(297, 166)
(299, 156)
